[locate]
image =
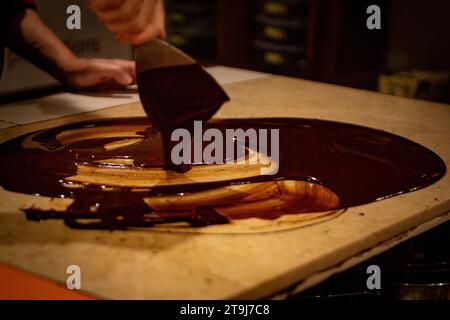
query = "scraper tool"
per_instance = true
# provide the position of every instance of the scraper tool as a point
(174, 90)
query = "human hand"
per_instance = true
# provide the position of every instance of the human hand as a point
(98, 74)
(133, 21)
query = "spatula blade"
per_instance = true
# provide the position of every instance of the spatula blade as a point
(175, 91)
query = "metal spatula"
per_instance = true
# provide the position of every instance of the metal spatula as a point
(175, 91)
(173, 88)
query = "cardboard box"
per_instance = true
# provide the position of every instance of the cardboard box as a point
(427, 85)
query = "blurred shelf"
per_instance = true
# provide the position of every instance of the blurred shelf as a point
(312, 39)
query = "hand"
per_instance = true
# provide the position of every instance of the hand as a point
(31, 38)
(133, 21)
(98, 74)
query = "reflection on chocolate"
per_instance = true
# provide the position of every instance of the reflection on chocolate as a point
(345, 165)
(174, 97)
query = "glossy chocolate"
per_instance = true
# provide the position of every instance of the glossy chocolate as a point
(358, 164)
(174, 97)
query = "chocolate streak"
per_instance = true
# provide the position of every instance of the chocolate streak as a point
(359, 164)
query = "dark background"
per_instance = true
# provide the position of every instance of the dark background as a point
(327, 40)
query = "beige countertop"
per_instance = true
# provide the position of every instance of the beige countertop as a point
(50, 106)
(161, 265)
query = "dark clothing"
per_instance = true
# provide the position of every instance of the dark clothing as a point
(9, 9)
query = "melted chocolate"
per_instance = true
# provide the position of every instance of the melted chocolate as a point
(175, 97)
(358, 164)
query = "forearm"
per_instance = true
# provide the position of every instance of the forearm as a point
(31, 38)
